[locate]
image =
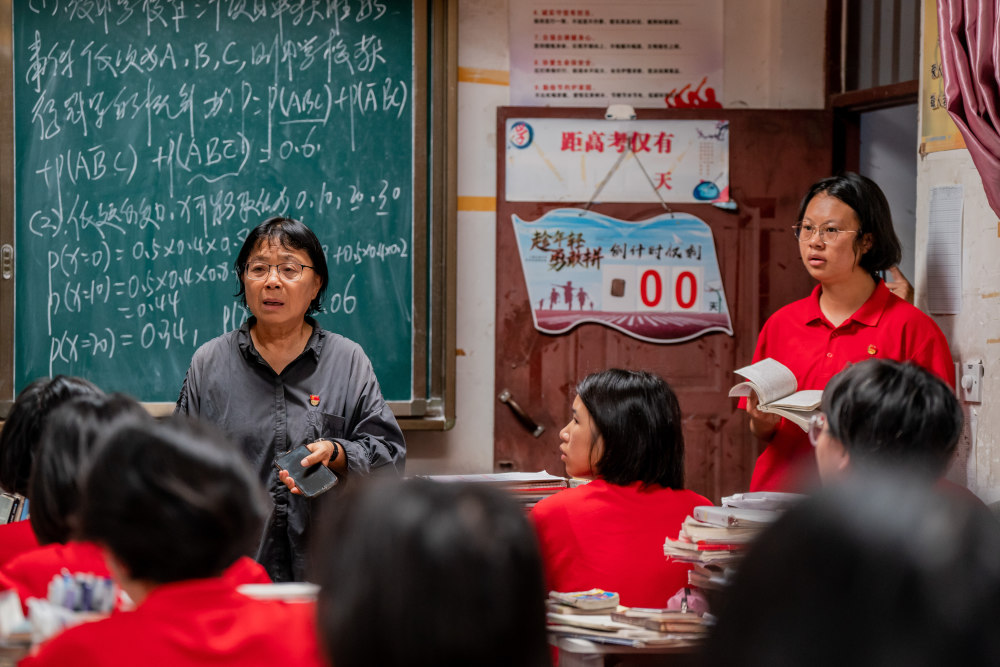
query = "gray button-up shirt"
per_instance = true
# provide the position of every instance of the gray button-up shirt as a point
(230, 385)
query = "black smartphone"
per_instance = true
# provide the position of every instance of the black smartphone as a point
(312, 481)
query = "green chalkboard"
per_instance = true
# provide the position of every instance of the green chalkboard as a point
(149, 137)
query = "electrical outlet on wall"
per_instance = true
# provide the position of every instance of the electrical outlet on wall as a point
(971, 382)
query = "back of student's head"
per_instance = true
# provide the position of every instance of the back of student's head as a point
(880, 569)
(890, 413)
(171, 499)
(67, 441)
(639, 418)
(23, 428)
(420, 574)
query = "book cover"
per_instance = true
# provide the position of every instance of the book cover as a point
(734, 516)
(595, 598)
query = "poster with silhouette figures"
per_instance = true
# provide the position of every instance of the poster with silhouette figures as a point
(646, 53)
(657, 279)
(576, 159)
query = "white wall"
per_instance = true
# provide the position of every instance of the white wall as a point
(773, 59)
(975, 332)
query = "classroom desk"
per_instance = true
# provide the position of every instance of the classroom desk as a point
(575, 652)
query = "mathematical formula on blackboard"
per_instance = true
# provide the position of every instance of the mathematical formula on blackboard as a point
(151, 136)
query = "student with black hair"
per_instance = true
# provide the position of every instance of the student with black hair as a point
(455, 578)
(19, 440)
(886, 414)
(172, 508)
(881, 569)
(625, 434)
(54, 495)
(846, 240)
(67, 444)
(281, 381)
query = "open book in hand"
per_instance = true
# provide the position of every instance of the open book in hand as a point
(777, 391)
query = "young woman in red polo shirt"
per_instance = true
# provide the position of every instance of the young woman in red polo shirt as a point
(626, 434)
(846, 240)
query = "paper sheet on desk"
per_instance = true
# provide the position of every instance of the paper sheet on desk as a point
(500, 477)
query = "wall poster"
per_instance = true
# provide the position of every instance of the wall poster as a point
(646, 53)
(657, 279)
(571, 159)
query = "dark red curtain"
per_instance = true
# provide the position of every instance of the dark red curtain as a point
(970, 57)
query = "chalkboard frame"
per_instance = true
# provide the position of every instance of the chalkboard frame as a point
(432, 406)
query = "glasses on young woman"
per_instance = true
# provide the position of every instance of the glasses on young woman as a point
(289, 271)
(816, 425)
(828, 235)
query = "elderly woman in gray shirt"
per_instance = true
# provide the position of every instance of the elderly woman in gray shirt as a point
(281, 381)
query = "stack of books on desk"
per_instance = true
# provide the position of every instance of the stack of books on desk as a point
(715, 538)
(526, 487)
(700, 541)
(611, 623)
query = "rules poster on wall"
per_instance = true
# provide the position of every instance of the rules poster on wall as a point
(647, 53)
(657, 279)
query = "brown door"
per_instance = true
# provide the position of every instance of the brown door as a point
(774, 157)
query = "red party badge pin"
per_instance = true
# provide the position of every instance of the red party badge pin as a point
(871, 351)
(314, 398)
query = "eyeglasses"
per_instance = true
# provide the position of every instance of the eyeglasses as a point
(816, 425)
(288, 271)
(828, 235)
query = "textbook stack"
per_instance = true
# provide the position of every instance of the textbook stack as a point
(526, 487)
(595, 615)
(715, 538)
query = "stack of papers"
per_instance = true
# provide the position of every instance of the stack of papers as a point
(763, 500)
(628, 626)
(526, 487)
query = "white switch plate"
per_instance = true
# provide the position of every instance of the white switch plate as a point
(971, 382)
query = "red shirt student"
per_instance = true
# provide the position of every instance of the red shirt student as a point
(19, 440)
(845, 239)
(31, 573)
(194, 622)
(185, 512)
(609, 534)
(70, 434)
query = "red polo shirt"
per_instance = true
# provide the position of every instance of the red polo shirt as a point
(15, 539)
(30, 573)
(196, 622)
(608, 536)
(800, 337)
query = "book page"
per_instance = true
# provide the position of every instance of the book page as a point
(807, 399)
(798, 417)
(770, 379)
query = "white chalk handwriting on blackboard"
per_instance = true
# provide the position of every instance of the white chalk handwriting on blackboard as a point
(150, 136)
